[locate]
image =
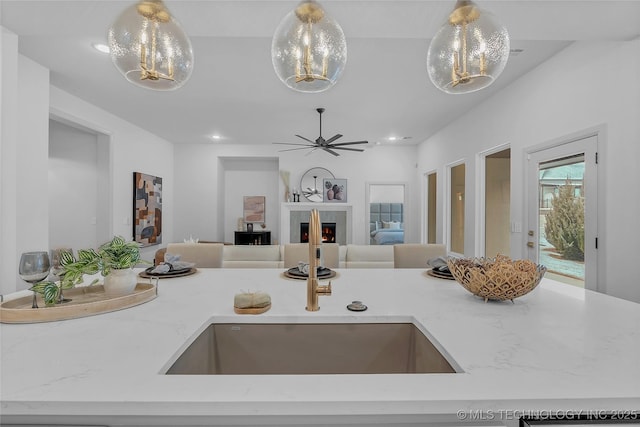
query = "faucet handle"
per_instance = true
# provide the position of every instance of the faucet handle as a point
(324, 289)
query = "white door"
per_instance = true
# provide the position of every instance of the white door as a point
(562, 209)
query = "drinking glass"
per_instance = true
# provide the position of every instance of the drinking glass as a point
(34, 268)
(57, 269)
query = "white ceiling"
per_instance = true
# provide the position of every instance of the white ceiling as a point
(233, 91)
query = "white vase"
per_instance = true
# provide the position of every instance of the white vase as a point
(120, 282)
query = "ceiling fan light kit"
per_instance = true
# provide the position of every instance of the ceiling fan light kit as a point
(469, 51)
(148, 46)
(328, 145)
(308, 49)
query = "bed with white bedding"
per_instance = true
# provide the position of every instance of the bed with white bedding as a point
(386, 223)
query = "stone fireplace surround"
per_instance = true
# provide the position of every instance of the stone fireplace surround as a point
(292, 214)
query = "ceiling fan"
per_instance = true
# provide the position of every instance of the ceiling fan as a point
(327, 145)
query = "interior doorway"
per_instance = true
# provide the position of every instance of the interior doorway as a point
(497, 203)
(386, 210)
(456, 196)
(563, 211)
(78, 186)
(432, 197)
(247, 176)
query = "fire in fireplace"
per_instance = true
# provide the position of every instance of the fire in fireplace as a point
(328, 232)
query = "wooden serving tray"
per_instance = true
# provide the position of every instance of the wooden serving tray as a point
(256, 310)
(85, 301)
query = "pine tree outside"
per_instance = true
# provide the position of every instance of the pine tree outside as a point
(561, 195)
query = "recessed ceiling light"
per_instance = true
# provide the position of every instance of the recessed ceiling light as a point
(216, 137)
(101, 47)
(397, 138)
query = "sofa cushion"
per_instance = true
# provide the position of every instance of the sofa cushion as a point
(416, 255)
(252, 256)
(369, 256)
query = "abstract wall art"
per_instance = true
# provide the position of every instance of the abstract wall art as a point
(253, 209)
(147, 209)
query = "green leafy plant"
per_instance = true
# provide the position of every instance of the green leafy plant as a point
(564, 226)
(50, 291)
(116, 254)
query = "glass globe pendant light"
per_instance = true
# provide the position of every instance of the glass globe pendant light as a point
(469, 52)
(308, 50)
(149, 47)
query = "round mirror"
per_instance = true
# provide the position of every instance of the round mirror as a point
(311, 183)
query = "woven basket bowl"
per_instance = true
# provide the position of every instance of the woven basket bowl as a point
(496, 279)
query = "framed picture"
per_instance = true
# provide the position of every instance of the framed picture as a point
(253, 209)
(334, 190)
(147, 209)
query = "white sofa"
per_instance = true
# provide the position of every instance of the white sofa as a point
(272, 256)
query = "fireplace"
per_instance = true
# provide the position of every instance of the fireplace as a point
(328, 232)
(293, 214)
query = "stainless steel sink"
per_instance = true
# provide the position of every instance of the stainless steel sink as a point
(310, 348)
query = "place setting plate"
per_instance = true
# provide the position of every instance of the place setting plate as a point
(439, 269)
(169, 274)
(323, 273)
(440, 275)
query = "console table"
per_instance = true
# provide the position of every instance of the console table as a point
(252, 237)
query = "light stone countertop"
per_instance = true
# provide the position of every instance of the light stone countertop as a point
(558, 348)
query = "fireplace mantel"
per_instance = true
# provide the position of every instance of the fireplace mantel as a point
(287, 208)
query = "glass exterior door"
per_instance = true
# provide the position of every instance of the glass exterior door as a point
(562, 232)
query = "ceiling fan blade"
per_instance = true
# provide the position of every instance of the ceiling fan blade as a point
(349, 143)
(328, 150)
(349, 149)
(293, 143)
(333, 138)
(294, 149)
(311, 151)
(306, 139)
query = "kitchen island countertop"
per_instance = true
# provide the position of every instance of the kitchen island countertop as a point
(558, 348)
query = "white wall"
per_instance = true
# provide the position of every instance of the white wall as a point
(27, 102)
(25, 115)
(583, 87)
(198, 201)
(386, 193)
(33, 156)
(8, 167)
